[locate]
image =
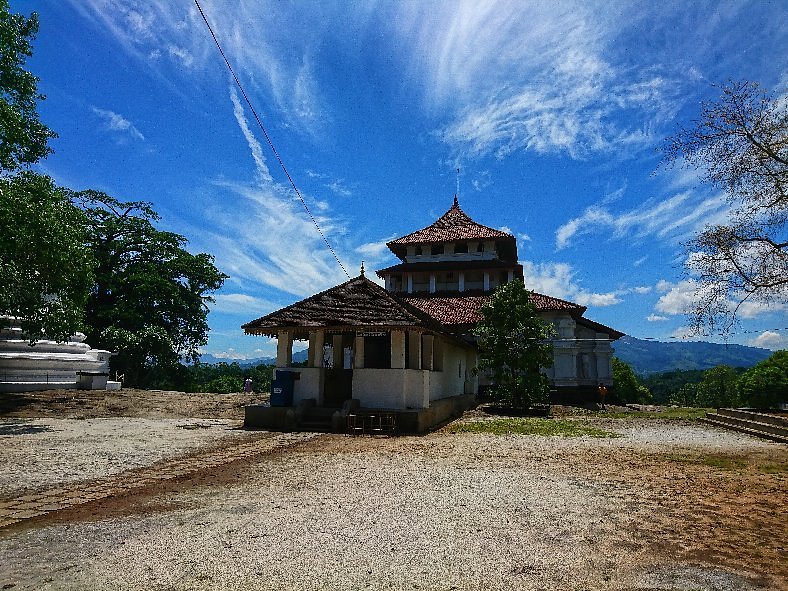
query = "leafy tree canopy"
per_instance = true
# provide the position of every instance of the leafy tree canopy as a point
(718, 388)
(46, 269)
(740, 142)
(766, 384)
(23, 138)
(512, 345)
(149, 300)
(627, 386)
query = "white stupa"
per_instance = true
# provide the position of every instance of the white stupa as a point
(48, 364)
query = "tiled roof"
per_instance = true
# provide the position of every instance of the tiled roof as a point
(452, 225)
(465, 309)
(356, 303)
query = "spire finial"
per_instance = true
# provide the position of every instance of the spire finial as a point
(362, 268)
(456, 203)
(457, 194)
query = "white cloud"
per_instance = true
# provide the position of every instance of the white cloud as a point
(118, 123)
(257, 151)
(640, 261)
(524, 237)
(770, 339)
(678, 298)
(238, 303)
(675, 218)
(338, 187)
(557, 280)
(655, 318)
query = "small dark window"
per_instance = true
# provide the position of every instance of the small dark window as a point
(461, 247)
(449, 276)
(480, 247)
(377, 352)
(418, 250)
(504, 277)
(437, 249)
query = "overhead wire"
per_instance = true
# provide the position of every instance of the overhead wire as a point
(267, 138)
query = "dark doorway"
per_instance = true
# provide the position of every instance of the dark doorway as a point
(377, 351)
(338, 386)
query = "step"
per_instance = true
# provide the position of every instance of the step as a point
(750, 424)
(317, 426)
(749, 431)
(754, 415)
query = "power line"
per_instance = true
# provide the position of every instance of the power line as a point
(268, 139)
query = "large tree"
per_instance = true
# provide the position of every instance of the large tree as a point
(740, 143)
(766, 384)
(149, 300)
(513, 346)
(46, 270)
(23, 138)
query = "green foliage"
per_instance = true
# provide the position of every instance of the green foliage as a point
(512, 346)
(530, 426)
(766, 384)
(718, 388)
(46, 270)
(225, 378)
(665, 387)
(23, 138)
(627, 387)
(149, 301)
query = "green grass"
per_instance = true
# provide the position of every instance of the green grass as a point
(669, 414)
(530, 426)
(713, 461)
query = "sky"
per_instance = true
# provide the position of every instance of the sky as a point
(554, 112)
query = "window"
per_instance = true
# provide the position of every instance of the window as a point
(377, 352)
(437, 249)
(461, 247)
(480, 247)
(418, 251)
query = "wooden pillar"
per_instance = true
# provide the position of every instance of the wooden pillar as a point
(510, 276)
(410, 283)
(316, 348)
(486, 281)
(461, 281)
(358, 357)
(397, 349)
(432, 283)
(284, 348)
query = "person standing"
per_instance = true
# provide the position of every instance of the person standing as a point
(602, 389)
(248, 385)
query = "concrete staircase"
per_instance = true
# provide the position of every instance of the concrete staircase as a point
(759, 424)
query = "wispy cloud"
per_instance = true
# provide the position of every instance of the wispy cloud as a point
(675, 218)
(239, 303)
(770, 339)
(118, 123)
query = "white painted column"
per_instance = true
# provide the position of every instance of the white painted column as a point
(461, 281)
(387, 281)
(427, 341)
(414, 353)
(284, 348)
(432, 282)
(410, 283)
(486, 281)
(397, 349)
(358, 358)
(510, 276)
(316, 349)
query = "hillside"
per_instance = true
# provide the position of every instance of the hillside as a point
(647, 357)
(298, 357)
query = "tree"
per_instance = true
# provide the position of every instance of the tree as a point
(46, 269)
(765, 385)
(149, 300)
(718, 388)
(23, 138)
(512, 345)
(740, 142)
(628, 388)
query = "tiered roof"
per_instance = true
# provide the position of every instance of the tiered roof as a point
(357, 304)
(452, 226)
(464, 310)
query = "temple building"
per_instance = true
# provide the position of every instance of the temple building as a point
(408, 346)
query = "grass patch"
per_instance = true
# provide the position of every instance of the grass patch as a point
(669, 414)
(779, 469)
(712, 460)
(530, 426)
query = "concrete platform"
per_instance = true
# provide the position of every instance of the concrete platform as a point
(303, 418)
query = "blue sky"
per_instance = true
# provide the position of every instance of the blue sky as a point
(553, 111)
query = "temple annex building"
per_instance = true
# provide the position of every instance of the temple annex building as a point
(407, 348)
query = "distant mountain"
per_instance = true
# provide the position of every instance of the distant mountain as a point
(647, 357)
(298, 357)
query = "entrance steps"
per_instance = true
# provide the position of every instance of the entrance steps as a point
(318, 419)
(759, 424)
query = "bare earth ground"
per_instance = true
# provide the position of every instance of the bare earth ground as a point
(666, 505)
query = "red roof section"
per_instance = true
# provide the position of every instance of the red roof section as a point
(452, 225)
(465, 309)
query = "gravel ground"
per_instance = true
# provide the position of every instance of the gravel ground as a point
(463, 511)
(41, 453)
